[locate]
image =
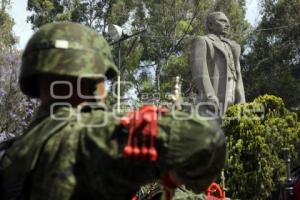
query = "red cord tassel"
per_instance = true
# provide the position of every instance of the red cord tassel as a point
(143, 121)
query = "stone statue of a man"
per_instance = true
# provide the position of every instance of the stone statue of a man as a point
(215, 65)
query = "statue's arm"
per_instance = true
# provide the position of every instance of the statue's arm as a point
(240, 92)
(198, 61)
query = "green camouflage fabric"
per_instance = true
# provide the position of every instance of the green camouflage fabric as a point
(182, 193)
(154, 191)
(64, 48)
(62, 159)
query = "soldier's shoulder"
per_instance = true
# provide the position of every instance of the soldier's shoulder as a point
(68, 120)
(189, 119)
(97, 117)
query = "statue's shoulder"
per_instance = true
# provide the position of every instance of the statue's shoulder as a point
(233, 43)
(235, 46)
(201, 39)
(211, 36)
(207, 38)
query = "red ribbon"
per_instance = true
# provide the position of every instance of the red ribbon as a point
(142, 121)
(214, 187)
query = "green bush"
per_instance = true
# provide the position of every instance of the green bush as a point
(256, 133)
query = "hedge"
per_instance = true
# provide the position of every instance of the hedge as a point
(256, 132)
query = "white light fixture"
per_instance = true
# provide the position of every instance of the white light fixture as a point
(115, 32)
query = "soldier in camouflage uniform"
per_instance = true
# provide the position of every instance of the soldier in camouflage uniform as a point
(71, 153)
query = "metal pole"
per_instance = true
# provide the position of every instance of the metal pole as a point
(122, 38)
(223, 182)
(125, 37)
(289, 189)
(119, 80)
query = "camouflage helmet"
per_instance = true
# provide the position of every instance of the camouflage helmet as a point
(66, 49)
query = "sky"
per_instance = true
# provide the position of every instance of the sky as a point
(23, 30)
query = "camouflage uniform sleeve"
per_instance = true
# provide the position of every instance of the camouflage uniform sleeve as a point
(196, 149)
(109, 174)
(82, 158)
(193, 149)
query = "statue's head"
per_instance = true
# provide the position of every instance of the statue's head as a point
(217, 23)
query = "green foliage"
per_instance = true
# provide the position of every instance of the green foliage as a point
(96, 14)
(256, 133)
(169, 23)
(5, 4)
(120, 11)
(6, 34)
(273, 63)
(45, 11)
(182, 27)
(178, 65)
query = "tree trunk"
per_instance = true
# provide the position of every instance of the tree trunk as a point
(157, 75)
